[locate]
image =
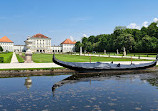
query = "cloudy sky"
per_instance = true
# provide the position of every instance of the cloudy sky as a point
(61, 19)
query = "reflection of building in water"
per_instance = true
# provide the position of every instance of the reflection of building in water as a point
(28, 83)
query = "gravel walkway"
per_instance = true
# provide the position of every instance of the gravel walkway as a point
(50, 65)
(147, 58)
(14, 58)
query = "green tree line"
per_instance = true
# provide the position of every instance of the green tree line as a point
(134, 40)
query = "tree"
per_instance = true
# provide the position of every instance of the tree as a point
(1, 49)
(89, 47)
(91, 39)
(134, 40)
(147, 43)
(144, 31)
(124, 40)
(77, 46)
(138, 47)
(120, 28)
(153, 30)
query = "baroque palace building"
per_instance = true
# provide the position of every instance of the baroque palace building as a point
(7, 44)
(38, 43)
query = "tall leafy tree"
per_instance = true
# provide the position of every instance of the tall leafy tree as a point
(77, 46)
(153, 30)
(134, 40)
(124, 40)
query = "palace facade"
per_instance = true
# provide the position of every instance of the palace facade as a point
(38, 43)
(7, 44)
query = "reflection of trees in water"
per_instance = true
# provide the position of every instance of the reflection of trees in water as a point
(149, 77)
(153, 81)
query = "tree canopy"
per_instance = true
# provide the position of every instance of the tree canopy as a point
(134, 40)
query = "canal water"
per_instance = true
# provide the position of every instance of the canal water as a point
(128, 92)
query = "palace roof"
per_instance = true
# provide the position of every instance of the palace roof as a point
(39, 36)
(68, 41)
(5, 39)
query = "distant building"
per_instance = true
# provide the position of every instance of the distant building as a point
(19, 48)
(56, 49)
(68, 46)
(38, 43)
(6, 44)
(65, 46)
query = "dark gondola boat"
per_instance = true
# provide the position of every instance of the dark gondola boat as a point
(102, 67)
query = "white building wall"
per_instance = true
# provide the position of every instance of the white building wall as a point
(40, 44)
(19, 48)
(68, 48)
(7, 46)
(56, 49)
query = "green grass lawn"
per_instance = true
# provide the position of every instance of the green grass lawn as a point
(42, 58)
(23, 54)
(142, 54)
(47, 58)
(7, 56)
(20, 59)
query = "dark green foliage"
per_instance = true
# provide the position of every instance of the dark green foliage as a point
(77, 46)
(20, 59)
(7, 51)
(1, 49)
(1, 59)
(134, 40)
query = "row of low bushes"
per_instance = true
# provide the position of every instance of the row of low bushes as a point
(9, 58)
(20, 59)
(1, 59)
(5, 57)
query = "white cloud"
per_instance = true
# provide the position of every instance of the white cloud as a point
(84, 35)
(133, 26)
(155, 19)
(71, 38)
(145, 24)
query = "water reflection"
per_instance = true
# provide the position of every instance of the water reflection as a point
(97, 92)
(153, 81)
(151, 78)
(28, 82)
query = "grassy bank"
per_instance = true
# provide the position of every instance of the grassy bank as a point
(7, 57)
(47, 58)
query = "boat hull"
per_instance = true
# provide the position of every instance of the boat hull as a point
(102, 67)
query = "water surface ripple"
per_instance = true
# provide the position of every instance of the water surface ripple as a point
(79, 92)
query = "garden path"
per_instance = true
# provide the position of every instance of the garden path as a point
(14, 58)
(50, 65)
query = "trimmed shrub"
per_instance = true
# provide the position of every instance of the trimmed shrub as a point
(1, 59)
